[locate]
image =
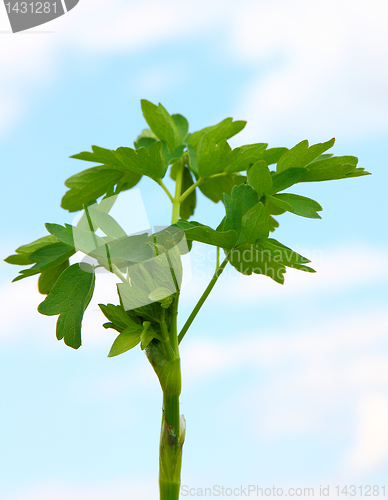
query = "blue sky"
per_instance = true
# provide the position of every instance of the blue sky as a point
(282, 385)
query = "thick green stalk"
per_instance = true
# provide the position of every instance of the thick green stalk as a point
(176, 204)
(172, 432)
(165, 360)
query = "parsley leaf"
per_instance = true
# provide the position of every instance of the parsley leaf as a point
(69, 298)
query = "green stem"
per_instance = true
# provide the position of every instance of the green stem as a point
(176, 204)
(172, 432)
(163, 186)
(166, 337)
(189, 190)
(199, 304)
(174, 326)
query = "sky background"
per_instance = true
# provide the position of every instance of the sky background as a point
(283, 386)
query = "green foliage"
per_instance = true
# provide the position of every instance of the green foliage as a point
(242, 199)
(143, 162)
(69, 298)
(205, 234)
(212, 157)
(286, 179)
(301, 155)
(149, 266)
(260, 178)
(267, 257)
(215, 188)
(255, 223)
(119, 319)
(182, 125)
(299, 205)
(22, 256)
(128, 339)
(48, 278)
(162, 123)
(223, 130)
(47, 257)
(332, 168)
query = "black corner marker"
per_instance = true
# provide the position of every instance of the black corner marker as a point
(70, 4)
(25, 15)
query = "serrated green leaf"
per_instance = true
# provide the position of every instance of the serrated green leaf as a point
(267, 257)
(204, 234)
(247, 260)
(119, 319)
(161, 123)
(277, 206)
(99, 155)
(213, 158)
(23, 252)
(323, 157)
(286, 179)
(306, 207)
(273, 223)
(223, 130)
(94, 182)
(275, 209)
(19, 260)
(272, 155)
(337, 167)
(255, 223)
(246, 156)
(182, 125)
(48, 278)
(260, 178)
(81, 240)
(128, 339)
(143, 162)
(69, 298)
(358, 172)
(301, 155)
(282, 253)
(47, 257)
(215, 188)
(242, 198)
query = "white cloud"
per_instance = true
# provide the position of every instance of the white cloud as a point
(306, 380)
(371, 446)
(323, 65)
(327, 74)
(312, 343)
